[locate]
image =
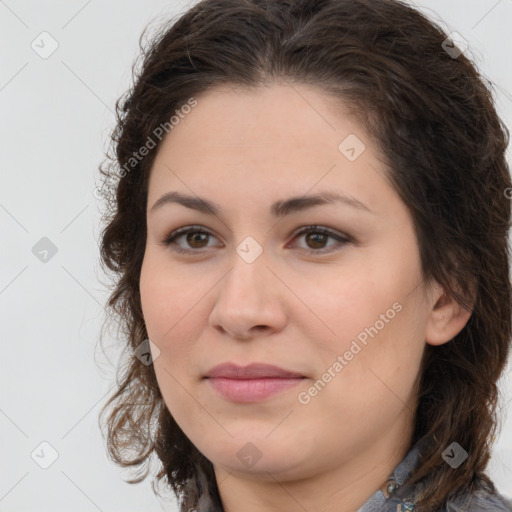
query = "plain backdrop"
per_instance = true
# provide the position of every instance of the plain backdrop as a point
(56, 114)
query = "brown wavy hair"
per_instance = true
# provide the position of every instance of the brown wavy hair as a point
(434, 119)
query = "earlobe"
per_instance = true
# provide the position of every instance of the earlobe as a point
(447, 318)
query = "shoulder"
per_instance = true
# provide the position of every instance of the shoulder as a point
(484, 498)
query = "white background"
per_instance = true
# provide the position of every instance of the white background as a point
(56, 114)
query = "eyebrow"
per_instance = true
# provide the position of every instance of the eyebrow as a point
(277, 209)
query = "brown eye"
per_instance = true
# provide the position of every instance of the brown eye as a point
(195, 237)
(316, 240)
(317, 237)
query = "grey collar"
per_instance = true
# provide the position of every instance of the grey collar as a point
(384, 500)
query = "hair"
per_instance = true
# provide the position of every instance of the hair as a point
(433, 118)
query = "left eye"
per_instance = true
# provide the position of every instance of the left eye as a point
(196, 236)
(317, 236)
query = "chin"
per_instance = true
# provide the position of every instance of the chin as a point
(259, 458)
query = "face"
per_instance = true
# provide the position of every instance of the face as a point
(331, 292)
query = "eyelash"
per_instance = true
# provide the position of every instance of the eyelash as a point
(199, 229)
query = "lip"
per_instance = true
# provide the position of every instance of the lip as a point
(251, 383)
(251, 371)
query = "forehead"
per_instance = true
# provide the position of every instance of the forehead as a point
(275, 128)
(231, 117)
(243, 146)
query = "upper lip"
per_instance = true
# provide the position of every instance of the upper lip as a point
(252, 371)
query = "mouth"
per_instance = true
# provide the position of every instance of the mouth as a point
(251, 383)
(252, 371)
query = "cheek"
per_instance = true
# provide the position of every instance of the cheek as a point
(345, 305)
(175, 307)
(376, 364)
(169, 301)
(372, 318)
(171, 322)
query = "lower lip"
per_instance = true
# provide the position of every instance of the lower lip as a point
(251, 390)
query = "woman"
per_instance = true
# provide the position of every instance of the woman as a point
(269, 369)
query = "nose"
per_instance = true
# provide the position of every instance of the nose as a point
(249, 300)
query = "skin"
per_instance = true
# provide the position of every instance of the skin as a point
(243, 150)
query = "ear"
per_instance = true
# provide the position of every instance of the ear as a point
(446, 319)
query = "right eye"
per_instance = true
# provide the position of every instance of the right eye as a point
(196, 236)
